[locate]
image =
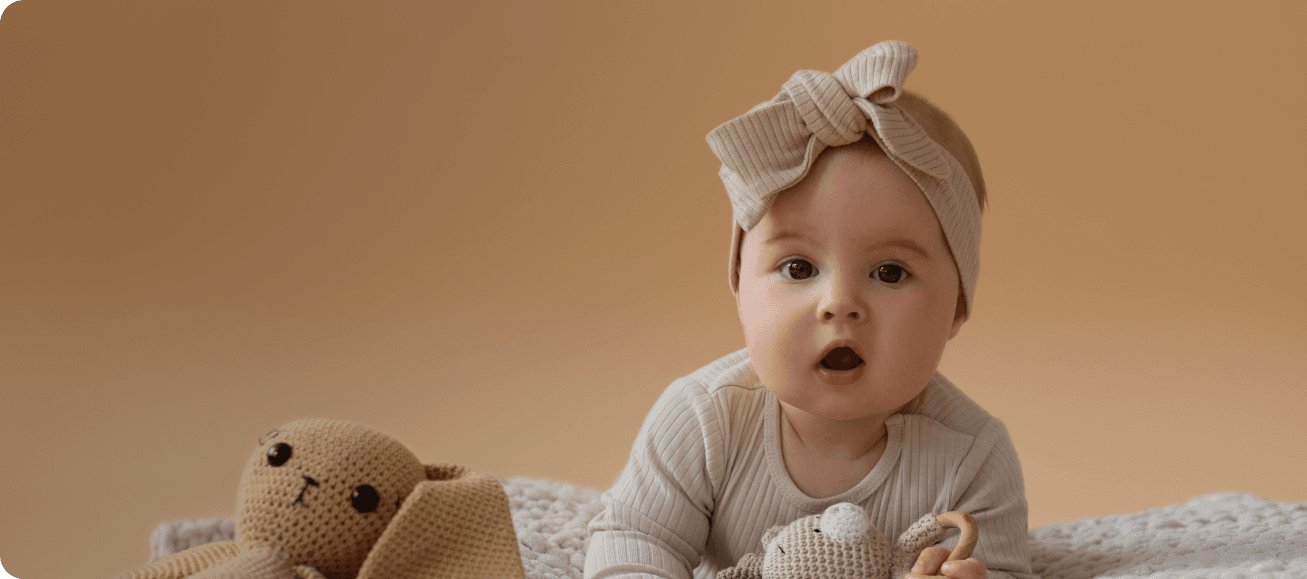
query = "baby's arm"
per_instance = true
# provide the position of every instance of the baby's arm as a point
(656, 516)
(990, 488)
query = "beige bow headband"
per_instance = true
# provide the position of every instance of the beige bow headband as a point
(772, 147)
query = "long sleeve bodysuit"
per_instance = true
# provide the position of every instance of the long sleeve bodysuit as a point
(706, 478)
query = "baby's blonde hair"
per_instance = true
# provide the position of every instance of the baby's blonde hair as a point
(944, 130)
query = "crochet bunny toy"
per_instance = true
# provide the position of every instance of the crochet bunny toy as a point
(327, 499)
(840, 543)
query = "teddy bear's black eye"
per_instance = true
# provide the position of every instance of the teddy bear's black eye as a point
(278, 454)
(364, 498)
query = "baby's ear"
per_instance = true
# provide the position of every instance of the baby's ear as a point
(959, 313)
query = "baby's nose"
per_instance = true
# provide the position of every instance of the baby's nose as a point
(831, 314)
(842, 302)
(842, 306)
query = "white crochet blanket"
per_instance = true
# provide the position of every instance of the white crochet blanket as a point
(1221, 535)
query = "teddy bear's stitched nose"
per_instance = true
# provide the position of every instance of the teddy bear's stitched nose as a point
(308, 482)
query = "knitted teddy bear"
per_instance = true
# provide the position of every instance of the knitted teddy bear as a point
(328, 499)
(840, 543)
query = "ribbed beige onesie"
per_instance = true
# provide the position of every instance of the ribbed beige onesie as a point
(706, 478)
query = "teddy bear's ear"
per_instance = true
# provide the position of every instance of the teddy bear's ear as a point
(455, 525)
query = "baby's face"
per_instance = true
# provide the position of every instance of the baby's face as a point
(847, 289)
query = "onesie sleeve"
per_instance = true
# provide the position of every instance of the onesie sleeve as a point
(990, 487)
(657, 515)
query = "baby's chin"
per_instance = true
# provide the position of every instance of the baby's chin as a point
(838, 407)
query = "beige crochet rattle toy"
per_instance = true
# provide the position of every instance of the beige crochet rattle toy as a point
(840, 543)
(327, 499)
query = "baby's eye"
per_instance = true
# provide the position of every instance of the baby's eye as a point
(798, 269)
(890, 273)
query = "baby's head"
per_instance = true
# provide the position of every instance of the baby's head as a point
(855, 249)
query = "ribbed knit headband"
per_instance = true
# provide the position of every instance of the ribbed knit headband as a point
(774, 145)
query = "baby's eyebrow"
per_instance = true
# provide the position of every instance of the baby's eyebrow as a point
(900, 242)
(787, 235)
(907, 244)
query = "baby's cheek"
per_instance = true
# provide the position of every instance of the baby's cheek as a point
(758, 319)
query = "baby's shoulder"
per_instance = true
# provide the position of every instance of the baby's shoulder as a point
(726, 391)
(730, 376)
(944, 403)
(951, 432)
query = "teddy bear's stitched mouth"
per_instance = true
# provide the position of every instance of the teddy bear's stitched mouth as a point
(308, 482)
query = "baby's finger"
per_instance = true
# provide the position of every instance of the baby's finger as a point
(964, 569)
(929, 560)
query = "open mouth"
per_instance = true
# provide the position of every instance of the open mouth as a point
(841, 359)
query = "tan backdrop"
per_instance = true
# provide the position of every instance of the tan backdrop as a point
(494, 230)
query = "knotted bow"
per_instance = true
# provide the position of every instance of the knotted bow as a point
(774, 145)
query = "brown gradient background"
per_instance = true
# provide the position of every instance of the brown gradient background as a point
(494, 231)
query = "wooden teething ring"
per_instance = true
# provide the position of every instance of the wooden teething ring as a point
(965, 523)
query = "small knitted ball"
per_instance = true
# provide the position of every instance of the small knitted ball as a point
(321, 492)
(845, 523)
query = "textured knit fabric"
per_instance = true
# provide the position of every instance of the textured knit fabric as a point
(184, 534)
(839, 543)
(1215, 536)
(302, 507)
(459, 525)
(706, 479)
(197, 559)
(925, 532)
(338, 500)
(772, 146)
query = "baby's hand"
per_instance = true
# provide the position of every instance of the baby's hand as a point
(933, 562)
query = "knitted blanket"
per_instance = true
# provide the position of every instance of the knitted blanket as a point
(1221, 535)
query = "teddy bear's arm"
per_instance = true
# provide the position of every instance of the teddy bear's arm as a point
(185, 563)
(927, 531)
(748, 567)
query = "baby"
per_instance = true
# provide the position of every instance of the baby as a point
(853, 262)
